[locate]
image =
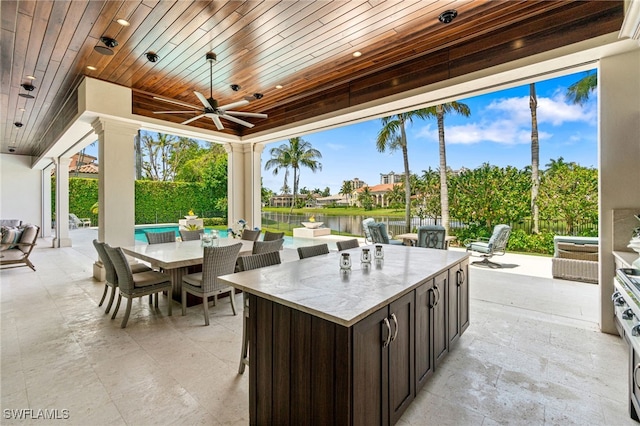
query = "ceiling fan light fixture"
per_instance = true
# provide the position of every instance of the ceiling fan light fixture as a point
(26, 95)
(152, 56)
(447, 16)
(235, 87)
(212, 57)
(28, 87)
(109, 43)
(18, 124)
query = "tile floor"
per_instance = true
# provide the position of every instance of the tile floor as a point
(532, 355)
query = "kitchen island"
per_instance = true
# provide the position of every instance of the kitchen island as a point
(334, 347)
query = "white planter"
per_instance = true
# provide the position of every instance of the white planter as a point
(312, 225)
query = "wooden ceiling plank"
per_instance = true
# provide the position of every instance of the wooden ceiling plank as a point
(108, 10)
(91, 13)
(71, 21)
(8, 17)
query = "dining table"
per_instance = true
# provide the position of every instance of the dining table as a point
(180, 258)
(411, 238)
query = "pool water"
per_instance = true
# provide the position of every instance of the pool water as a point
(141, 229)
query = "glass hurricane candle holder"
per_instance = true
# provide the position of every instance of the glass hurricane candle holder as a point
(365, 255)
(345, 261)
(378, 252)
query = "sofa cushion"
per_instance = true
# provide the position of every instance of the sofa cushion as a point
(10, 236)
(29, 234)
(13, 223)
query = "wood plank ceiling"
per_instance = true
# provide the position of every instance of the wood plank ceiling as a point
(306, 47)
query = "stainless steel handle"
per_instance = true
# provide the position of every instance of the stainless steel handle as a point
(615, 295)
(636, 330)
(460, 277)
(388, 339)
(395, 323)
(619, 301)
(435, 287)
(628, 314)
(429, 302)
(635, 377)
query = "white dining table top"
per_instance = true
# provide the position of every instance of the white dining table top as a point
(317, 286)
(180, 253)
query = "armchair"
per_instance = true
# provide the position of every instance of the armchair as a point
(17, 244)
(487, 248)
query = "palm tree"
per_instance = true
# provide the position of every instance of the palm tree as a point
(393, 136)
(295, 154)
(578, 92)
(535, 158)
(346, 189)
(366, 198)
(439, 111)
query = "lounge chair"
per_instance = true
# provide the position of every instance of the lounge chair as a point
(17, 244)
(77, 222)
(487, 248)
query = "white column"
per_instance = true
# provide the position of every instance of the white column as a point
(45, 220)
(619, 151)
(116, 182)
(256, 185)
(62, 202)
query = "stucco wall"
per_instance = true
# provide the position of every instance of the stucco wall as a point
(20, 189)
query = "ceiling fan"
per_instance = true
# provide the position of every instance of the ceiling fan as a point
(211, 108)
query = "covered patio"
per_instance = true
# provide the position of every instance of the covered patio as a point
(533, 353)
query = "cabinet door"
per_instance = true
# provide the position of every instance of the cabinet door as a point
(463, 295)
(458, 301)
(425, 298)
(401, 356)
(440, 340)
(371, 370)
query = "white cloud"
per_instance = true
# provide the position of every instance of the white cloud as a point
(335, 146)
(507, 121)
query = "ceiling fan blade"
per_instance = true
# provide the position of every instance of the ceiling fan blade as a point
(237, 120)
(246, 114)
(217, 122)
(233, 105)
(204, 100)
(171, 101)
(193, 119)
(175, 112)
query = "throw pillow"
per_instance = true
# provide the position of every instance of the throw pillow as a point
(10, 236)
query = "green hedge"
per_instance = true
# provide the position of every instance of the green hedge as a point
(156, 202)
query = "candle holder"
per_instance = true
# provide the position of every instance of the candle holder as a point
(378, 252)
(365, 256)
(345, 262)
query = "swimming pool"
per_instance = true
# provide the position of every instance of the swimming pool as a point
(141, 229)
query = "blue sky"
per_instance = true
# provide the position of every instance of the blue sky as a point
(498, 132)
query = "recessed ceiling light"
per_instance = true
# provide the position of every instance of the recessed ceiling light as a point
(357, 54)
(123, 22)
(91, 67)
(30, 77)
(447, 16)
(279, 86)
(22, 109)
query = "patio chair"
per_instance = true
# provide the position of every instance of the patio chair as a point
(379, 234)
(160, 237)
(17, 244)
(76, 222)
(487, 248)
(250, 235)
(247, 263)
(310, 251)
(271, 236)
(191, 235)
(365, 229)
(136, 285)
(347, 244)
(111, 275)
(217, 261)
(431, 236)
(260, 247)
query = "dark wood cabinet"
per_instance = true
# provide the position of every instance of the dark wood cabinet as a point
(425, 297)
(440, 338)
(458, 301)
(383, 363)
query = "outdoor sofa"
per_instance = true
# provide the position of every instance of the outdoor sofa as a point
(575, 258)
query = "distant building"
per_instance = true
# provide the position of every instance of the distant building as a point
(379, 193)
(82, 166)
(391, 177)
(282, 200)
(340, 200)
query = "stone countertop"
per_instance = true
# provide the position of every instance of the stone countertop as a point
(627, 257)
(317, 286)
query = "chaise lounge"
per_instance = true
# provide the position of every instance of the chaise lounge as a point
(16, 245)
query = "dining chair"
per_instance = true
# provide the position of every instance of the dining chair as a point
(310, 251)
(260, 247)
(347, 244)
(160, 237)
(271, 236)
(216, 261)
(250, 235)
(186, 235)
(431, 236)
(111, 275)
(135, 285)
(247, 263)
